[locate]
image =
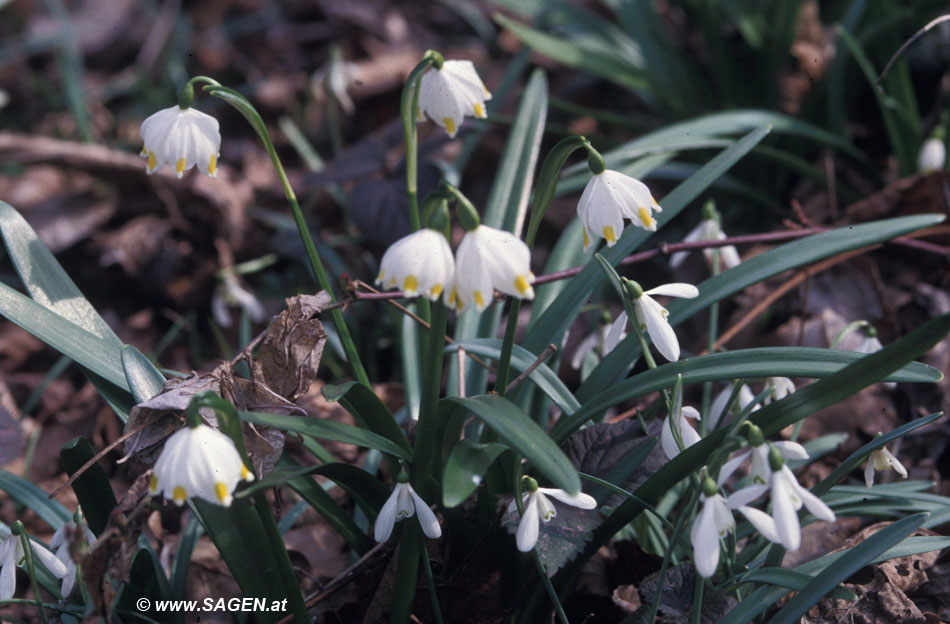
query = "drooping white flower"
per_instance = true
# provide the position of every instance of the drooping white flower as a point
(882, 459)
(487, 260)
(687, 433)
(63, 542)
(230, 292)
(449, 94)
(712, 522)
(403, 503)
(652, 318)
(537, 507)
(759, 466)
(932, 155)
(707, 230)
(12, 555)
(182, 138)
(418, 264)
(717, 410)
(198, 461)
(608, 199)
(781, 388)
(787, 498)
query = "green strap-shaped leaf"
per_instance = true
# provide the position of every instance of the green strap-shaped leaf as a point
(143, 378)
(465, 469)
(550, 326)
(790, 579)
(95, 353)
(853, 560)
(543, 377)
(524, 436)
(797, 253)
(34, 498)
(178, 579)
(327, 430)
(92, 487)
(45, 279)
(741, 364)
(370, 413)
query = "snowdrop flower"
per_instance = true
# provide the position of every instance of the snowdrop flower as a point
(718, 408)
(932, 156)
(12, 555)
(448, 93)
(418, 264)
(537, 507)
(183, 138)
(787, 498)
(67, 538)
(707, 230)
(230, 292)
(759, 468)
(781, 388)
(608, 199)
(652, 317)
(403, 503)
(687, 433)
(198, 461)
(487, 260)
(882, 459)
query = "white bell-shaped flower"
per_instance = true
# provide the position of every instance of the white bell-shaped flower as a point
(62, 544)
(687, 433)
(712, 523)
(608, 199)
(487, 260)
(404, 503)
(182, 138)
(882, 459)
(538, 507)
(449, 94)
(717, 410)
(653, 318)
(708, 230)
(12, 555)
(418, 264)
(198, 461)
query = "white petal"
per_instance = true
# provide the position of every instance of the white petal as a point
(616, 333)
(430, 524)
(528, 528)
(705, 539)
(653, 315)
(815, 505)
(695, 234)
(718, 408)
(730, 467)
(50, 561)
(686, 291)
(869, 474)
(587, 345)
(746, 495)
(762, 522)
(785, 512)
(8, 568)
(791, 450)
(580, 500)
(386, 518)
(69, 581)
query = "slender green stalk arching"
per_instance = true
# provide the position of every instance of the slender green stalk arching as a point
(426, 450)
(409, 105)
(19, 532)
(244, 107)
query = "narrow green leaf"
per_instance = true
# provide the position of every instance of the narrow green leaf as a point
(143, 378)
(368, 410)
(327, 430)
(741, 364)
(801, 252)
(178, 580)
(855, 559)
(365, 489)
(95, 353)
(92, 487)
(44, 278)
(525, 437)
(543, 377)
(790, 579)
(465, 469)
(34, 498)
(550, 326)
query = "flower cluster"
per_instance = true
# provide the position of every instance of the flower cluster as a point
(486, 260)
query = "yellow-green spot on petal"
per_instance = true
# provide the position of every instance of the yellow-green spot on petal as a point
(479, 110)
(436, 291)
(144, 151)
(410, 284)
(586, 239)
(180, 166)
(246, 474)
(522, 285)
(653, 199)
(609, 235)
(152, 162)
(646, 217)
(213, 165)
(479, 300)
(379, 278)
(153, 484)
(179, 495)
(221, 491)
(449, 125)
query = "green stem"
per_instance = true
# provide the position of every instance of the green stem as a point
(507, 346)
(550, 588)
(243, 106)
(276, 542)
(407, 573)
(31, 570)
(661, 576)
(424, 453)
(433, 596)
(409, 104)
(699, 584)
(710, 348)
